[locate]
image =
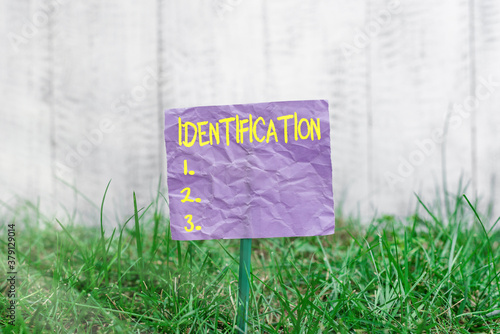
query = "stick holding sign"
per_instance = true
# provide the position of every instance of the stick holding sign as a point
(244, 284)
(249, 171)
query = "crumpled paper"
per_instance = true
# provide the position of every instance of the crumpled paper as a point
(250, 189)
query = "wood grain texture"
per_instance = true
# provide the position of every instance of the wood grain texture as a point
(83, 95)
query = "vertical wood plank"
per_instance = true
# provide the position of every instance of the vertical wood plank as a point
(106, 102)
(488, 96)
(414, 58)
(25, 167)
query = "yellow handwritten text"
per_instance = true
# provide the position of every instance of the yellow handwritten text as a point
(246, 129)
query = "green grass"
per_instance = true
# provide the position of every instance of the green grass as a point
(429, 273)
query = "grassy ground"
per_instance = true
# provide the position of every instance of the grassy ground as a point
(431, 273)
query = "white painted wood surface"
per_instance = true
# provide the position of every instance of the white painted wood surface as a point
(83, 85)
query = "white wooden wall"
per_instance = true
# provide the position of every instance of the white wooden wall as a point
(68, 67)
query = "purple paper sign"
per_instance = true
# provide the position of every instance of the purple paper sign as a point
(249, 171)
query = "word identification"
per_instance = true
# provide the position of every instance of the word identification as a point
(302, 129)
